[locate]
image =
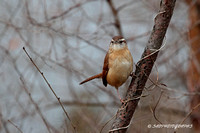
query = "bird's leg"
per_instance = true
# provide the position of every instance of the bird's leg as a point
(121, 100)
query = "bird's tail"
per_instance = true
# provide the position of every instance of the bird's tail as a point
(91, 78)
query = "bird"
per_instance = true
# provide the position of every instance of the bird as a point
(118, 65)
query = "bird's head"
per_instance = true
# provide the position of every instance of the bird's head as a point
(118, 43)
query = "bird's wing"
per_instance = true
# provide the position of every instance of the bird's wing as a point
(105, 69)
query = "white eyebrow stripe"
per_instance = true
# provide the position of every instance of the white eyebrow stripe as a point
(122, 39)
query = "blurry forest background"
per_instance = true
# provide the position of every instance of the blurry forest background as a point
(68, 40)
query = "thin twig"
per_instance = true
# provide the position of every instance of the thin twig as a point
(198, 105)
(106, 123)
(58, 98)
(35, 105)
(15, 126)
(154, 109)
(116, 17)
(120, 128)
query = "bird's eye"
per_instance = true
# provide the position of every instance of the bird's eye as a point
(121, 42)
(112, 41)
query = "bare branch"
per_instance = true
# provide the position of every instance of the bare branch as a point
(115, 15)
(15, 126)
(58, 98)
(35, 105)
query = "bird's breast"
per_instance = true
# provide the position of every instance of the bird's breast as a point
(120, 67)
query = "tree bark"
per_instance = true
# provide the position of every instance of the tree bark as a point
(144, 67)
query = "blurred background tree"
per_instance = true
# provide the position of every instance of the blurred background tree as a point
(194, 65)
(68, 41)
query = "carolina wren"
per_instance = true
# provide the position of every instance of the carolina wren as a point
(118, 64)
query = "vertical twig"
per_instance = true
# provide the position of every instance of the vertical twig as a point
(144, 67)
(116, 17)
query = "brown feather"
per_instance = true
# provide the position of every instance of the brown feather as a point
(91, 78)
(120, 67)
(105, 69)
